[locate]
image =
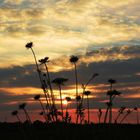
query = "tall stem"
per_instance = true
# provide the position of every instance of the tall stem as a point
(106, 114)
(84, 88)
(43, 109)
(50, 86)
(137, 117)
(38, 70)
(81, 103)
(61, 100)
(76, 79)
(40, 76)
(110, 109)
(76, 84)
(99, 118)
(88, 109)
(66, 107)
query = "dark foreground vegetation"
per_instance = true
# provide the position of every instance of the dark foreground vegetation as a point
(63, 131)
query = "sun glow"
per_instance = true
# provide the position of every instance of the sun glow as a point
(65, 102)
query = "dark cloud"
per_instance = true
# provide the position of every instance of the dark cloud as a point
(127, 50)
(18, 76)
(130, 43)
(125, 71)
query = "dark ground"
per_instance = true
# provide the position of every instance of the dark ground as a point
(61, 131)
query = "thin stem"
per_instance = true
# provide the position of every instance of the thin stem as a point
(76, 84)
(84, 88)
(38, 70)
(99, 118)
(27, 116)
(61, 100)
(88, 109)
(137, 117)
(43, 110)
(124, 118)
(106, 114)
(39, 74)
(110, 109)
(50, 86)
(117, 117)
(76, 79)
(81, 103)
(48, 104)
(18, 118)
(66, 108)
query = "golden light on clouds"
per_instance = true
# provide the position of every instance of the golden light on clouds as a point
(21, 91)
(133, 96)
(63, 27)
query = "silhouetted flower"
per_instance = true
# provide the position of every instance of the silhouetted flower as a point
(122, 109)
(74, 59)
(135, 108)
(22, 106)
(14, 113)
(29, 45)
(78, 98)
(68, 99)
(41, 113)
(44, 60)
(112, 81)
(113, 92)
(59, 81)
(37, 97)
(87, 93)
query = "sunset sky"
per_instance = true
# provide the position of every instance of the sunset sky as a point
(104, 34)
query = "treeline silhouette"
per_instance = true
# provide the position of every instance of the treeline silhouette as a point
(50, 111)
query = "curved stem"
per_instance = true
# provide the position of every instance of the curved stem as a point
(50, 86)
(40, 77)
(38, 70)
